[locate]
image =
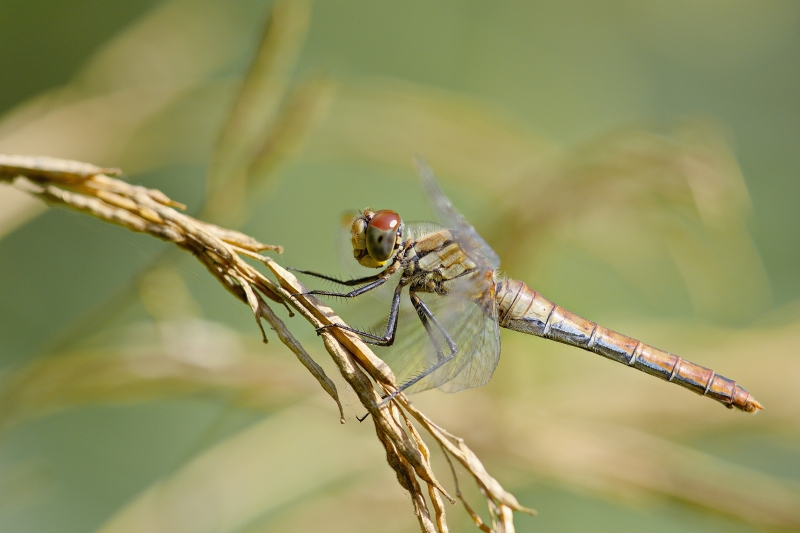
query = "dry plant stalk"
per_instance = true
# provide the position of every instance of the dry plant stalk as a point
(95, 191)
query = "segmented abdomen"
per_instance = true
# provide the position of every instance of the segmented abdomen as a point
(522, 309)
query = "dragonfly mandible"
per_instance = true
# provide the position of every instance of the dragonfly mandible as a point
(451, 275)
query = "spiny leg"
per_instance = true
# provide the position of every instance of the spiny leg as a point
(371, 282)
(426, 315)
(352, 294)
(347, 283)
(429, 322)
(391, 325)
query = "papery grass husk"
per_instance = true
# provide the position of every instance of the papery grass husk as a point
(700, 208)
(87, 189)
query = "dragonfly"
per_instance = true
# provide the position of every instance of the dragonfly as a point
(452, 281)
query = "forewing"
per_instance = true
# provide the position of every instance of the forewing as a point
(344, 243)
(416, 230)
(479, 345)
(466, 235)
(344, 246)
(470, 324)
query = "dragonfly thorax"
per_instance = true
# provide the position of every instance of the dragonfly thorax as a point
(376, 237)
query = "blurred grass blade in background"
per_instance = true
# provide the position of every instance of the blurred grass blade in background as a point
(255, 109)
(135, 394)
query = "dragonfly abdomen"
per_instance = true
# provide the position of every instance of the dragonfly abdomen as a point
(522, 309)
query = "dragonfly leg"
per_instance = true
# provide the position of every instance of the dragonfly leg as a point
(429, 322)
(427, 318)
(391, 325)
(352, 294)
(367, 284)
(346, 282)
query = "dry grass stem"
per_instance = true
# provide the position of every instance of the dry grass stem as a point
(676, 195)
(91, 190)
(249, 132)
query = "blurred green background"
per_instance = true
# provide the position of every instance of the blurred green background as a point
(636, 162)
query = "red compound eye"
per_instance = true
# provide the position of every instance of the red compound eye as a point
(381, 235)
(385, 220)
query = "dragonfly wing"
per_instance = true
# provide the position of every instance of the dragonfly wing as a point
(350, 268)
(479, 346)
(344, 246)
(470, 240)
(414, 351)
(344, 241)
(416, 230)
(472, 327)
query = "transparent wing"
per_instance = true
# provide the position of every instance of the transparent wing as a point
(416, 230)
(472, 325)
(411, 230)
(344, 245)
(479, 345)
(351, 268)
(470, 240)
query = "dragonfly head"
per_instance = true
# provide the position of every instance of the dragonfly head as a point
(376, 237)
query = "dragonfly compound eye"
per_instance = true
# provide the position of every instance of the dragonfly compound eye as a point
(382, 234)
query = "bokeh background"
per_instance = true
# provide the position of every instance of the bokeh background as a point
(634, 161)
